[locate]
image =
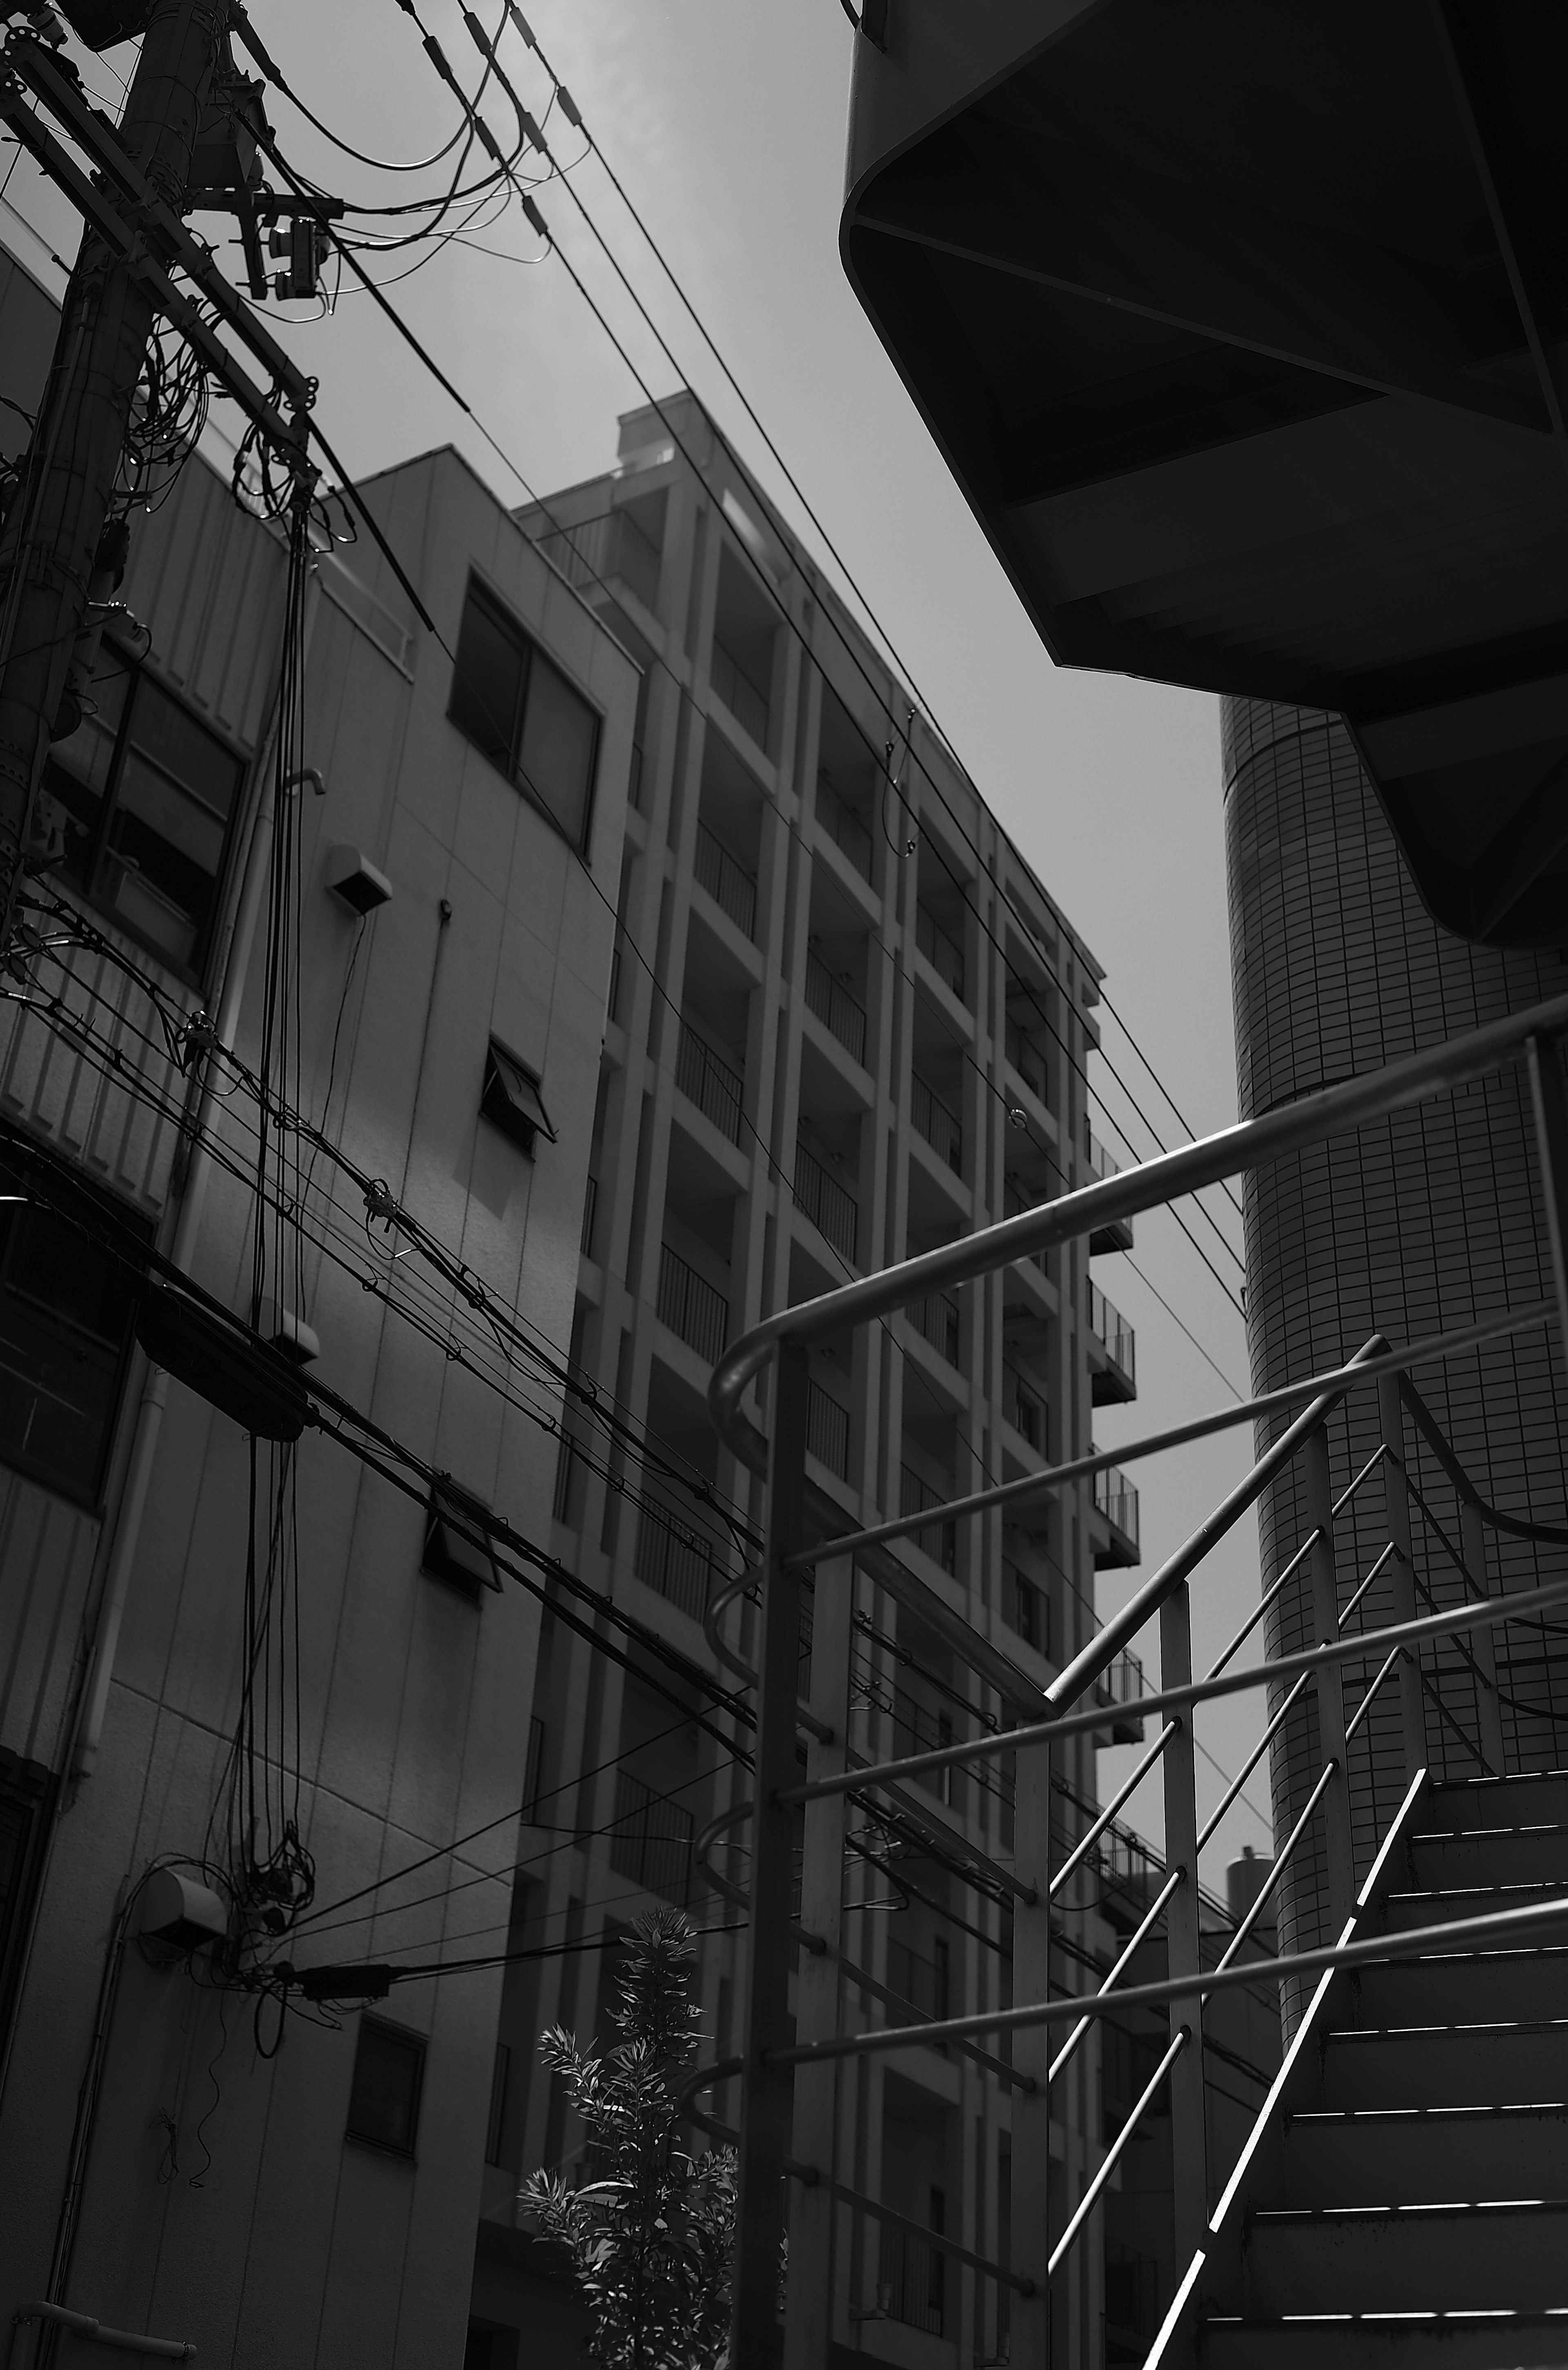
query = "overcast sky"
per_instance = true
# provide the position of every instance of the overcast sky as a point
(726, 120)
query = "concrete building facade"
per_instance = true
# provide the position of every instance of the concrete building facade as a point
(1431, 1220)
(846, 1022)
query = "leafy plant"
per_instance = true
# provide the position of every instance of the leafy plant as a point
(650, 2237)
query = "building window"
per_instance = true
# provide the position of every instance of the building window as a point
(457, 1546)
(495, 2129)
(513, 703)
(67, 1307)
(384, 2104)
(146, 797)
(510, 1101)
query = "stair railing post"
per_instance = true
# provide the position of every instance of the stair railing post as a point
(1401, 1587)
(1189, 2147)
(808, 2307)
(1483, 1643)
(1030, 2248)
(1330, 1682)
(767, 2092)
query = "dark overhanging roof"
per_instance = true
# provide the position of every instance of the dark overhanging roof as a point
(1241, 324)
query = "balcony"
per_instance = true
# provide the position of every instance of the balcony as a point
(941, 1128)
(1124, 1683)
(727, 882)
(1118, 1234)
(597, 549)
(675, 1562)
(1026, 1609)
(827, 1431)
(840, 1013)
(819, 1196)
(650, 1845)
(913, 2285)
(944, 954)
(1115, 1382)
(1029, 1062)
(935, 1319)
(844, 826)
(1116, 1503)
(706, 1079)
(939, 1540)
(746, 702)
(1026, 1409)
(691, 1307)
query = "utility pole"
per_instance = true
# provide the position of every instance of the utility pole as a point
(54, 546)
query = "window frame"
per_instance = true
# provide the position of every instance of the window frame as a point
(197, 973)
(448, 1503)
(90, 1494)
(479, 592)
(417, 2045)
(505, 1100)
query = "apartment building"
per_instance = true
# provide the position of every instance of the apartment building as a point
(259, 2175)
(846, 1022)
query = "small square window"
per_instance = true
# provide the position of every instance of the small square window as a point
(457, 1543)
(512, 1100)
(384, 2103)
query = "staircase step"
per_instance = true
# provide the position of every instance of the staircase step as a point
(1426, 2156)
(1496, 1802)
(1465, 1986)
(1445, 2064)
(1485, 1856)
(1493, 2341)
(1407, 1910)
(1407, 2259)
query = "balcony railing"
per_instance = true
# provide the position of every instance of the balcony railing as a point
(941, 1128)
(1026, 1609)
(912, 2280)
(836, 1008)
(690, 1306)
(939, 1540)
(1026, 1411)
(827, 1431)
(706, 1079)
(675, 1561)
(745, 702)
(925, 1983)
(835, 1212)
(650, 1841)
(1116, 1499)
(1113, 1333)
(1029, 1062)
(727, 882)
(1124, 1681)
(935, 1319)
(944, 954)
(844, 826)
(1117, 1235)
(609, 545)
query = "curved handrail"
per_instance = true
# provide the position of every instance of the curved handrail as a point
(1426, 1423)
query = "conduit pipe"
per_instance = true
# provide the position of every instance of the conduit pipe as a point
(83, 2324)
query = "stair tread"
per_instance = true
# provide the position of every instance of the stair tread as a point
(1466, 2206)
(1449, 2024)
(1411, 2114)
(1524, 1827)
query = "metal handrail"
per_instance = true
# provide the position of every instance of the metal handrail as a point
(1090, 2197)
(1251, 1144)
(1548, 1533)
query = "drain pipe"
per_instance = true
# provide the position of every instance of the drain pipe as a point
(155, 1385)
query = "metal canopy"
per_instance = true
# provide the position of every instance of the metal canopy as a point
(1242, 328)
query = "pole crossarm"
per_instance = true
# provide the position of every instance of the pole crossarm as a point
(1432, 1347)
(1363, 1645)
(1251, 1144)
(155, 222)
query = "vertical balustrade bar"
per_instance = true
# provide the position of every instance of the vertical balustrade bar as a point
(1483, 1643)
(1188, 2140)
(1330, 1682)
(1402, 1606)
(808, 2310)
(1030, 2251)
(1550, 1104)
(768, 2093)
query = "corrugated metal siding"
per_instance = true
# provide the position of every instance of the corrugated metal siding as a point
(46, 1563)
(209, 580)
(63, 1094)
